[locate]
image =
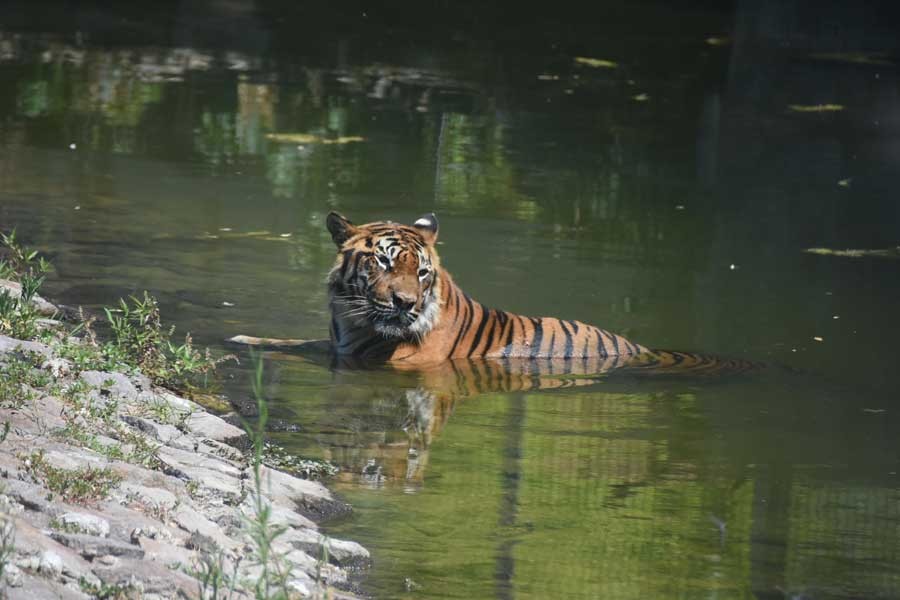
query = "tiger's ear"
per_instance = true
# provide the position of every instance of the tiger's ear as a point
(340, 227)
(428, 227)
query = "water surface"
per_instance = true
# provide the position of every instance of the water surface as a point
(668, 198)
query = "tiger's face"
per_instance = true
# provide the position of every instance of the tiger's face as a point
(386, 275)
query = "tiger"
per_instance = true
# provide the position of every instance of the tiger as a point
(392, 302)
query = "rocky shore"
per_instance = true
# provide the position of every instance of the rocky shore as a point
(112, 487)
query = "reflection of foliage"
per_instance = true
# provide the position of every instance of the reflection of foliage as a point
(33, 98)
(97, 85)
(215, 138)
(473, 168)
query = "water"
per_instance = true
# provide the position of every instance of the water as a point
(669, 199)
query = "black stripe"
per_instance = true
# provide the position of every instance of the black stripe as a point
(615, 342)
(538, 338)
(550, 350)
(465, 327)
(601, 346)
(507, 347)
(356, 260)
(451, 301)
(569, 342)
(485, 317)
(346, 263)
(494, 331)
(574, 326)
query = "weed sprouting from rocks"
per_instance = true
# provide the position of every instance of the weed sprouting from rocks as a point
(18, 313)
(78, 486)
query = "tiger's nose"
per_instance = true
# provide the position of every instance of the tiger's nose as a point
(402, 301)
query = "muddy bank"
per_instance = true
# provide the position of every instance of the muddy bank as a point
(113, 487)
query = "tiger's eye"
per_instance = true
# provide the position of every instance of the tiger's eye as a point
(423, 272)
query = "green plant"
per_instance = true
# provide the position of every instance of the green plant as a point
(215, 583)
(79, 486)
(139, 339)
(272, 582)
(18, 314)
(7, 545)
(104, 591)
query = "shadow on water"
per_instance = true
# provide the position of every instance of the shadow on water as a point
(666, 193)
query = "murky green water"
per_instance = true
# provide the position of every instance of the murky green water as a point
(669, 198)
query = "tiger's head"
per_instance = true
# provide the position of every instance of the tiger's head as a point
(386, 275)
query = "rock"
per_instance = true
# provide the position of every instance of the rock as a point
(210, 426)
(193, 522)
(43, 415)
(165, 553)
(13, 576)
(90, 546)
(37, 588)
(310, 498)
(150, 533)
(343, 552)
(29, 495)
(116, 384)
(51, 564)
(8, 344)
(58, 367)
(150, 497)
(278, 515)
(72, 459)
(222, 450)
(209, 472)
(107, 560)
(176, 402)
(85, 523)
(41, 554)
(148, 578)
(168, 435)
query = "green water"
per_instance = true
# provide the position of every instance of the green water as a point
(668, 199)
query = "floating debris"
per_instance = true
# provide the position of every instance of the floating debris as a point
(816, 108)
(642, 97)
(597, 63)
(818, 338)
(856, 252)
(227, 303)
(308, 138)
(545, 77)
(874, 411)
(845, 183)
(858, 58)
(718, 41)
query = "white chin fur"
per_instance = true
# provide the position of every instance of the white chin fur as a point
(425, 323)
(427, 320)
